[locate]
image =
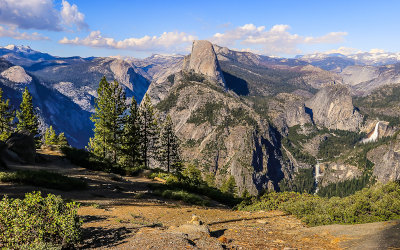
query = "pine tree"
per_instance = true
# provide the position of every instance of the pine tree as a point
(6, 118)
(108, 120)
(116, 119)
(148, 130)
(98, 144)
(131, 150)
(229, 186)
(50, 137)
(27, 119)
(62, 140)
(169, 145)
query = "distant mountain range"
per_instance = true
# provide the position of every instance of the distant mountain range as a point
(64, 88)
(337, 62)
(259, 119)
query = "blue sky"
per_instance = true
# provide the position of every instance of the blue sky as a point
(141, 28)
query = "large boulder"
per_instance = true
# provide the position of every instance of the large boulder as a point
(23, 144)
(3, 149)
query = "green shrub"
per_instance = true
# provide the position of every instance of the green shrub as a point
(190, 181)
(168, 103)
(182, 195)
(42, 178)
(209, 112)
(38, 221)
(168, 177)
(339, 141)
(377, 203)
(303, 182)
(85, 159)
(346, 187)
(229, 186)
(191, 76)
(171, 78)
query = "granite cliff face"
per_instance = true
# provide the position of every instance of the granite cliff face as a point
(203, 60)
(223, 136)
(386, 159)
(288, 110)
(365, 79)
(52, 107)
(220, 132)
(332, 107)
(16, 74)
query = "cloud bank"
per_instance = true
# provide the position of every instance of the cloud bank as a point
(13, 33)
(37, 15)
(172, 41)
(71, 16)
(276, 40)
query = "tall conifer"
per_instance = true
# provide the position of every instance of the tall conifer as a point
(62, 140)
(108, 120)
(6, 118)
(116, 119)
(149, 130)
(98, 143)
(131, 140)
(50, 137)
(169, 145)
(27, 119)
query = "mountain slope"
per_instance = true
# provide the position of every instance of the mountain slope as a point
(53, 108)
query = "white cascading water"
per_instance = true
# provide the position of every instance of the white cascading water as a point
(374, 136)
(317, 174)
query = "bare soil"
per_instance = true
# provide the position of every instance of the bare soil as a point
(121, 213)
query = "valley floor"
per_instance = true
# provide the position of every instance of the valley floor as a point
(121, 213)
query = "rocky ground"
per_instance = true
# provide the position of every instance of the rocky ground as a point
(121, 213)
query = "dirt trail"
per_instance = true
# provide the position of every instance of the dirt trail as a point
(121, 213)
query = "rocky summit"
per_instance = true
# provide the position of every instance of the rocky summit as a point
(203, 60)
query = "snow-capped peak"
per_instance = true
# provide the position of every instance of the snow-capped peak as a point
(373, 57)
(19, 48)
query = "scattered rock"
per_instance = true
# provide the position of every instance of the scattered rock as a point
(262, 221)
(279, 241)
(223, 239)
(192, 229)
(195, 220)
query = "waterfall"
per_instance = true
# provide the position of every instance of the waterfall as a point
(374, 136)
(317, 174)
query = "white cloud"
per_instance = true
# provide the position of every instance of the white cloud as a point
(176, 41)
(277, 40)
(13, 33)
(30, 14)
(376, 51)
(344, 51)
(71, 16)
(332, 37)
(40, 15)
